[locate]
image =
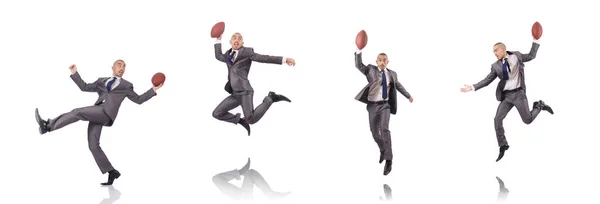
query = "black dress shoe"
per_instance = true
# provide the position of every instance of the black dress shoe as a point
(388, 167)
(502, 150)
(276, 97)
(380, 157)
(245, 125)
(546, 107)
(43, 125)
(112, 175)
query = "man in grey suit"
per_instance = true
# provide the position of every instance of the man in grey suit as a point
(111, 93)
(511, 90)
(238, 60)
(380, 96)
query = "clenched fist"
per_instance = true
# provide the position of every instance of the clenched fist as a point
(290, 61)
(73, 68)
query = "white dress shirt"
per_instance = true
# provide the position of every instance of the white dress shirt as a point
(513, 81)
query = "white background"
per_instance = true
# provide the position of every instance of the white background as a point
(319, 147)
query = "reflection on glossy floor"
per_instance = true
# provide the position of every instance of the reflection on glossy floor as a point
(388, 193)
(248, 183)
(113, 195)
(246, 192)
(503, 191)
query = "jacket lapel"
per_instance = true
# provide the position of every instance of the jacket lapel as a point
(241, 52)
(393, 77)
(498, 69)
(227, 53)
(103, 83)
(121, 82)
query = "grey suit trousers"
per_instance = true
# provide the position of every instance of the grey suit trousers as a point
(251, 115)
(379, 121)
(97, 118)
(513, 99)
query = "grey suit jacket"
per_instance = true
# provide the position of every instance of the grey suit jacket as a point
(238, 71)
(496, 71)
(371, 71)
(113, 99)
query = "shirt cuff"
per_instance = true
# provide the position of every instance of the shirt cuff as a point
(358, 52)
(536, 41)
(218, 41)
(472, 88)
(283, 60)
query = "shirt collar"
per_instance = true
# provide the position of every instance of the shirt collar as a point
(508, 58)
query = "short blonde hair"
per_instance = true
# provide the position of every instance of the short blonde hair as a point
(237, 33)
(502, 45)
(119, 60)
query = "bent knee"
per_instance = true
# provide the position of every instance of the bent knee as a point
(251, 121)
(216, 114)
(76, 110)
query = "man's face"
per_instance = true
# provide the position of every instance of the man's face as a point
(119, 68)
(236, 41)
(500, 51)
(382, 61)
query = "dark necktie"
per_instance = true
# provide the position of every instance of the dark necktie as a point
(110, 83)
(231, 57)
(384, 85)
(505, 69)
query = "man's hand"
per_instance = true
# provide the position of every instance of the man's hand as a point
(73, 68)
(290, 62)
(466, 89)
(157, 87)
(410, 99)
(219, 38)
